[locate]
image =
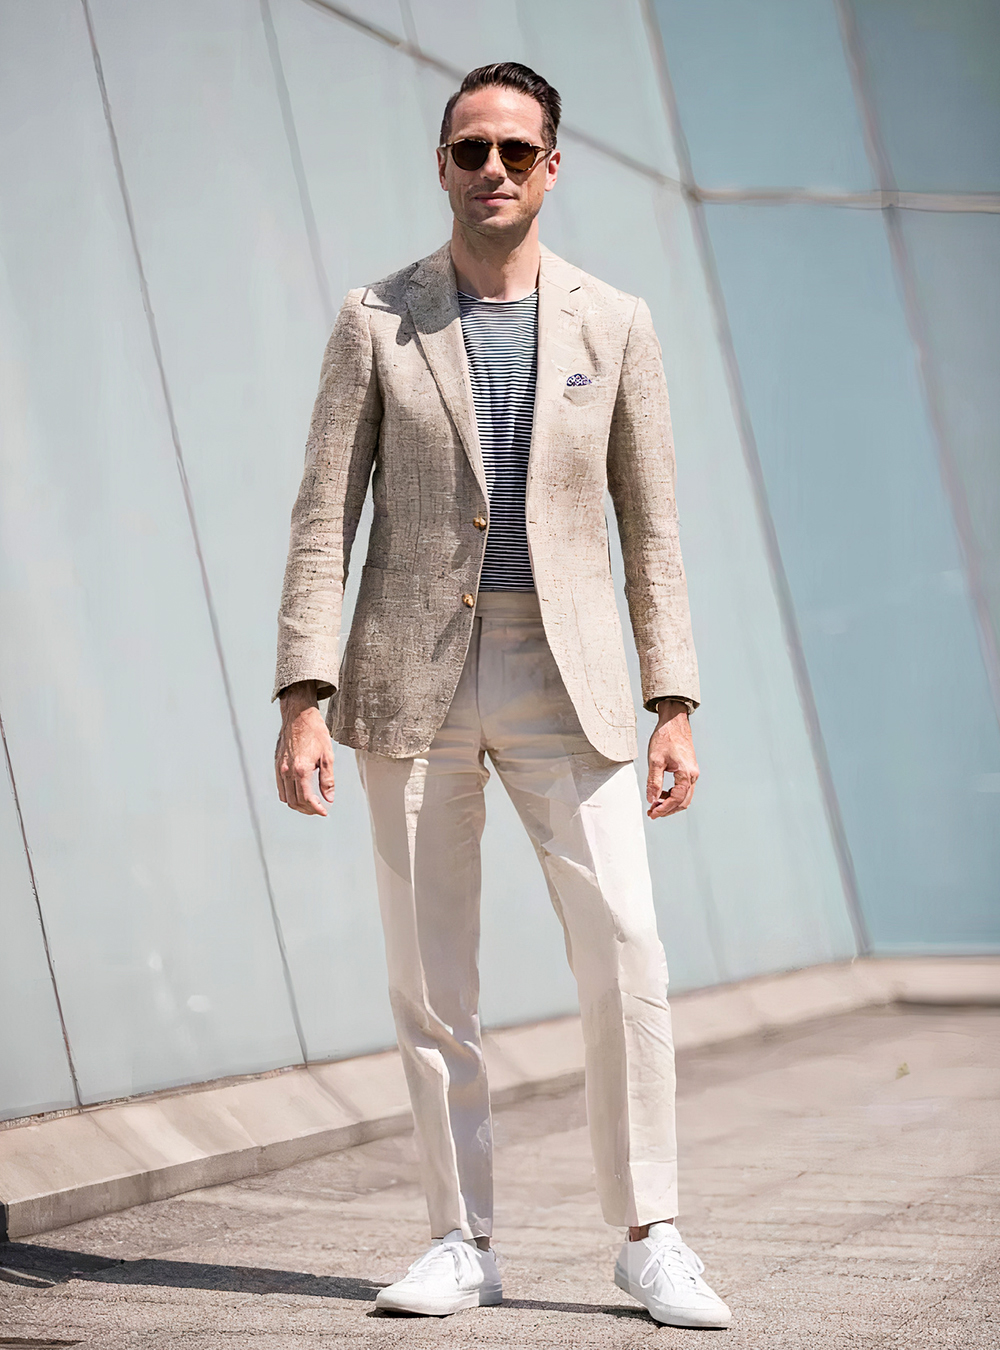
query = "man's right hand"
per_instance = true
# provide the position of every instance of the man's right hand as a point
(304, 746)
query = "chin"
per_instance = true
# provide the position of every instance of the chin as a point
(496, 220)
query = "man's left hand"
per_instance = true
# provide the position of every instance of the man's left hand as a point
(671, 750)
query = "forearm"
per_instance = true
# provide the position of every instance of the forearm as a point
(295, 698)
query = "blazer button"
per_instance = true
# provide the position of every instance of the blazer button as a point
(469, 600)
(480, 522)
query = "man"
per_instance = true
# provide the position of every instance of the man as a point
(486, 624)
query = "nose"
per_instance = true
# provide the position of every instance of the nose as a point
(493, 168)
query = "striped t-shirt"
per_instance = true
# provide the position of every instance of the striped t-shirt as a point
(501, 340)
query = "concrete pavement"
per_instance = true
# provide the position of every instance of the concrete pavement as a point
(841, 1179)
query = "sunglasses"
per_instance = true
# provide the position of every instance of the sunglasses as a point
(520, 156)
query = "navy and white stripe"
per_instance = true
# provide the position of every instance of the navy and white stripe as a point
(501, 341)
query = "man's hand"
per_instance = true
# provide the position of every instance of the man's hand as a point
(671, 750)
(304, 746)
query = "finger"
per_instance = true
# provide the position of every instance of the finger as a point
(300, 801)
(326, 777)
(654, 782)
(279, 780)
(689, 793)
(310, 803)
(290, 797)
(293, 795)
(675, 800)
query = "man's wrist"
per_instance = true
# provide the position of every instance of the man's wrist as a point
(295, 698)
(670, 705)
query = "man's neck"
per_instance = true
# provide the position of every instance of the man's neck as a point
(495, 270)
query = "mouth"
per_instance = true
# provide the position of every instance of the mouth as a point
(491, 197)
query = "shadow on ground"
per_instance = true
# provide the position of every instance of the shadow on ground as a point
(35, 1267)
(26, 1264)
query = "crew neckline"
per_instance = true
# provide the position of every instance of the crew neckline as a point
(480, 301)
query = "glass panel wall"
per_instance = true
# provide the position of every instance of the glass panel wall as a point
(274, 155)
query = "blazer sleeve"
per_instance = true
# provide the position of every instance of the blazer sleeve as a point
(641, 473)
(340, 451)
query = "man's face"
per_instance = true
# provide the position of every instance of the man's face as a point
(493, 200)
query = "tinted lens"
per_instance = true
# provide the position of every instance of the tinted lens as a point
(517, 155)
(470, 155)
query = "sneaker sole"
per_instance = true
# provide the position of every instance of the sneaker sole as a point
(675, 1319)
(485, 1298)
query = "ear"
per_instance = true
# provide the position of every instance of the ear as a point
(442, 160)
(552, 170)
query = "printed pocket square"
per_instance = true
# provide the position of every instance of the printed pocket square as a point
(575, 380)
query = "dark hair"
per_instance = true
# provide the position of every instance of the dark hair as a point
(510, 75)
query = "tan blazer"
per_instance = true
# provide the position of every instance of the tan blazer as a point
(395, 406)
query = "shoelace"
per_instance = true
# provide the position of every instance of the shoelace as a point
(462, 1259)
(685, 1263)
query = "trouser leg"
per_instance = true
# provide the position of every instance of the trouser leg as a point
(427, 819)
(587, 829)
(584, 814)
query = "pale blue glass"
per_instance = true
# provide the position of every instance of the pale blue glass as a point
(115, 711)
(764, 94)
(933, 70)
(873, 562)
(384, 15)
(34, 1072)
(599, 58)
(240, 311)
(467, 35)
(367, 142)
(955, 264)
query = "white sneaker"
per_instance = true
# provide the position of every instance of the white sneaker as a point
(665, 1275)
(452, 1275)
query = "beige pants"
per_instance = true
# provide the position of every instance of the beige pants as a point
(584, 815)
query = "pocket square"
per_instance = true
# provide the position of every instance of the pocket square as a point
(579, 379)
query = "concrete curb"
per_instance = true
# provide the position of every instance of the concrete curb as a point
(59, 1170)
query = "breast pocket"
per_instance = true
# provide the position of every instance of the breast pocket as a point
(584, 394)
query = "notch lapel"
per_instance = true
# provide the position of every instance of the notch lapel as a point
(558, 344)
(432, 300)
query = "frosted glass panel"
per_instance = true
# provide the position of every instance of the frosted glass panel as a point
(367, 140)
(117, 721)
(764, 93)
(467, 35)
(386, 15)
(934, 70)
(956, 264)
(597, 55)
(241, 321)
(34, 1074)
(873, 563)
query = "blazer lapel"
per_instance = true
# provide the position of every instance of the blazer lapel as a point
(432, 300)
(559, 342)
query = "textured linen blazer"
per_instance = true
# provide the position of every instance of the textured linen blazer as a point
(395, 409)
